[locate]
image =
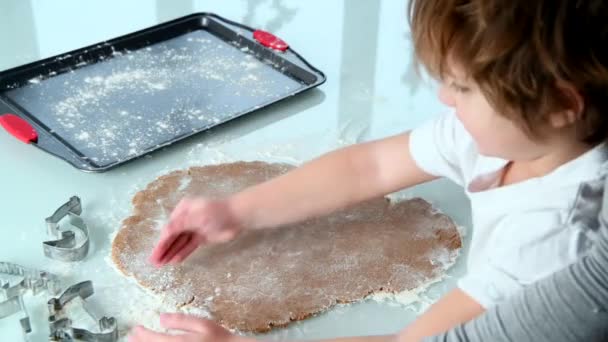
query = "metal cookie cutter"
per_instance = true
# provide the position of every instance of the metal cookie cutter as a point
(11, 297)
(65, 248)
(61, 328)
(34, 280)
(15, 305)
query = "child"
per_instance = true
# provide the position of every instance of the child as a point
(528, 83)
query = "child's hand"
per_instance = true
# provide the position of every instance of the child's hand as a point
(194, 221)
(194, 330)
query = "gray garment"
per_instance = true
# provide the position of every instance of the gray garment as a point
(570, 305)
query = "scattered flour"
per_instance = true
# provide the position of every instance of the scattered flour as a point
(133, 305)
(418, 295)
(137, 101)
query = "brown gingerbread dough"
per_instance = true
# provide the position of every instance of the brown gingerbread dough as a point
(268, 278)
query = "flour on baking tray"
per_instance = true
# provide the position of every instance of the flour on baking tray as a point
(136, 101)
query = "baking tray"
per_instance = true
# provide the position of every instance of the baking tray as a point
(106, 104)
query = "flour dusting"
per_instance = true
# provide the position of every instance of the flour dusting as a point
(133, 102)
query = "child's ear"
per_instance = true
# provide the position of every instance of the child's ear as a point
(573, 110)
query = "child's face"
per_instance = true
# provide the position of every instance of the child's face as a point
(494, 134)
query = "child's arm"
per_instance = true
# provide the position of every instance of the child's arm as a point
(450, 311)
(453, 309)
(333, 181)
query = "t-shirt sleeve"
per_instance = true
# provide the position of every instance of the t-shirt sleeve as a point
(443, 148)
(538, 245)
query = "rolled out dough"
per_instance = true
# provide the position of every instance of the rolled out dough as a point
(268, 278)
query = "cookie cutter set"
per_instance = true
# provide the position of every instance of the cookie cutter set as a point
(70, 245)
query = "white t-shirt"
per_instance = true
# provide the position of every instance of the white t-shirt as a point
(520, 233)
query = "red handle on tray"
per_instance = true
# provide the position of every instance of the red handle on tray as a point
(270, 40)
(19, 128)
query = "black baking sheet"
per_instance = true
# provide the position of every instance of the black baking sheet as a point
(124, 103)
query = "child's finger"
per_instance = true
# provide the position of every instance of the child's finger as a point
(225, 235)
(164, 242)
(167, 238)
(177, 247)
(183, 322)
(162, 246)
(168, 235)
(141, 334)
(186, 251)
(178, 244)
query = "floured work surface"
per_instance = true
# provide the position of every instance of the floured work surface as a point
(267, 278)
